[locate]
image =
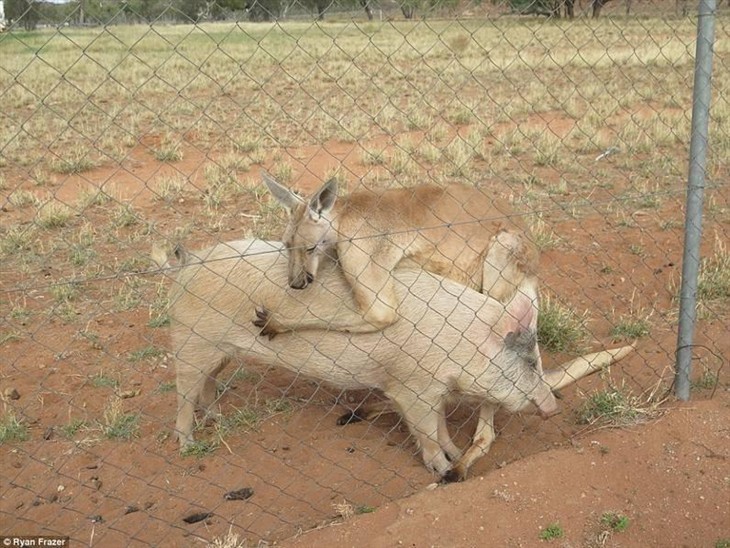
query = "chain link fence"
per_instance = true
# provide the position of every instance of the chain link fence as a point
(125, 125)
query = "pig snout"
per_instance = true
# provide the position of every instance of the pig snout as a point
(547, 405)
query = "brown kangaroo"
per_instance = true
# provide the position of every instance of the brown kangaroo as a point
(445, 230)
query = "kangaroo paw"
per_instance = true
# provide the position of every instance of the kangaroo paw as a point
(263, 320)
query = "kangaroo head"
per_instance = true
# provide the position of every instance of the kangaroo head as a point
(309, 236)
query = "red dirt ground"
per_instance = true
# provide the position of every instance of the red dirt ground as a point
(669, 475)
(670, 478)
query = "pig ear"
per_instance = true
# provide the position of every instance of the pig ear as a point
(324, 200)
(522, 310)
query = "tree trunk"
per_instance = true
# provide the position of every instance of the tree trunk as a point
(321, 9)
(597, 6)
(569, 9)
(368, 10)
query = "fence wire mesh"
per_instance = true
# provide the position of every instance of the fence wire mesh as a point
(128, 124)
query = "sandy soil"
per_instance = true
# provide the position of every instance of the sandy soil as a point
(668, 474)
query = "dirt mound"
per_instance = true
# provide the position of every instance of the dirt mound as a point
(664, 483)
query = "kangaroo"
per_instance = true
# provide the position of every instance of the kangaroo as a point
(450, 340)
(445, 230)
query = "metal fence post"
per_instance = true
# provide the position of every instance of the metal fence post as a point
(695, 191)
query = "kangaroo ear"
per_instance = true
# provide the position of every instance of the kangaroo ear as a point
(324, 200)
(283, 195)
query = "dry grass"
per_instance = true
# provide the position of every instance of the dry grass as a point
(159, 134)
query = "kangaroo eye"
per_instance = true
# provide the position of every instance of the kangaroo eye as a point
(311, 249)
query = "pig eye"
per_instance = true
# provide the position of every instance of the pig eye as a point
(531, 361)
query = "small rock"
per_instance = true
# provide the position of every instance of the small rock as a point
(96, 518)
(11, 394)
(48, 433)
(126, 394)
(196, 517)
(239, 494)
(131, 509)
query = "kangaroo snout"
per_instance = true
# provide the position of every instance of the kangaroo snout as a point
(302, 282)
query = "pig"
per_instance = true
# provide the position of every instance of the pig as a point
(448, 340)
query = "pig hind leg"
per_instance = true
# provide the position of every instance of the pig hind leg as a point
(195, 388)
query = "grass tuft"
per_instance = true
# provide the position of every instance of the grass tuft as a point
(630, 329)
(17, 239)
(617, 406)
(615, 521)
(72, 428)
(12, 428)
(552, 531)
(199, 449)
(53, 215)
(608, 405)
(713, 283)
(708, 379)
(118, 425)
(542, 235)
(76, 161)
(146, 353)
(559, 329)
(102, 380)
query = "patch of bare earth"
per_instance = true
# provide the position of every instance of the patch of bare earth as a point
(670, 478)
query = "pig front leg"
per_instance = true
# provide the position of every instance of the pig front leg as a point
(424, 416)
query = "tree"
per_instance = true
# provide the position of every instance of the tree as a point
(408, 8)
(320, 7)
(548, 8)
(263, 10)
(22, 12)
(597, 5)
(368, 9)
(192, 9)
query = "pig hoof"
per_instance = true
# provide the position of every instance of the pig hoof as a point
(452, 476)
(349, 418)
